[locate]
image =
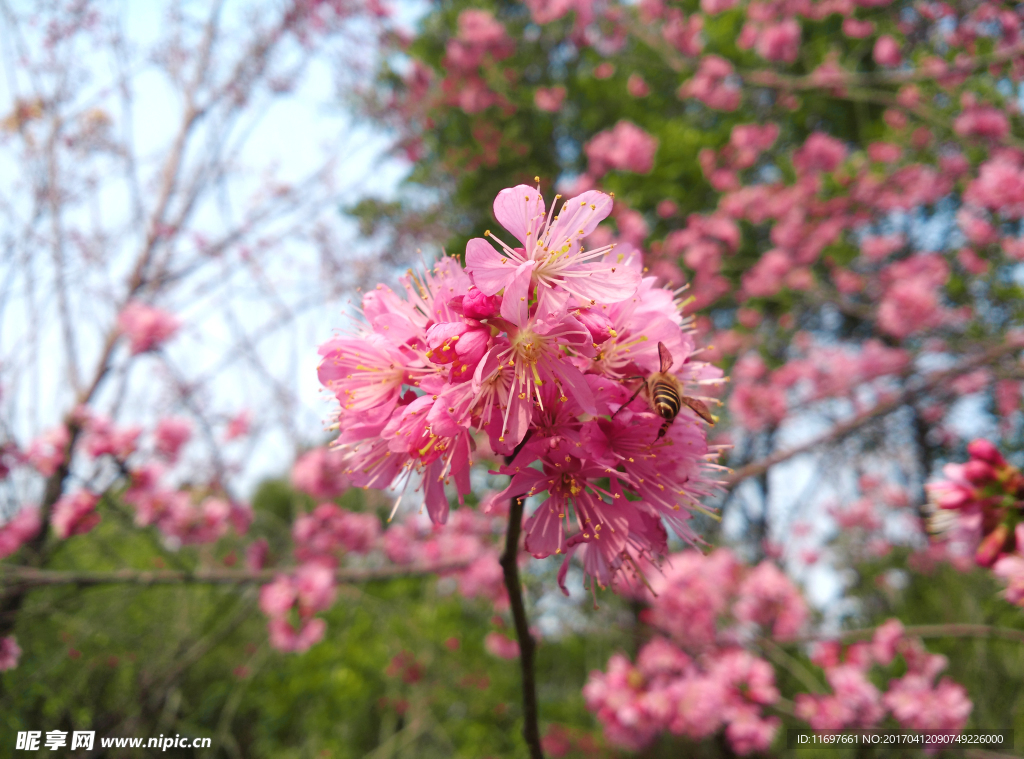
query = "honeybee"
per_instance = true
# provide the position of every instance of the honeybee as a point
(665, 394)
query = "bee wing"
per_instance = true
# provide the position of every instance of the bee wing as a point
(699, 408)
(666, 358)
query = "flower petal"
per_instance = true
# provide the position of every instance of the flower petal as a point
(520, 209)
(602, 283)
(578, 217)
(515, 305)
(489, 270)
(544, 535)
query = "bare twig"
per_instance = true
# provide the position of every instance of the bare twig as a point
(28, 577)
(929, 631)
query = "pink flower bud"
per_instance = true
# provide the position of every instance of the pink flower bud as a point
(978, 472)
(476, 305)
(887, 51)
(599, 325)
(984, 450)
(993, 545)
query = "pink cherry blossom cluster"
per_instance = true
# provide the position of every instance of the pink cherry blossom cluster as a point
(10, 652)
(19, 529)
(763, 398)
(469, 538)
(320, 473)
(978, 506)
(625, 147)
(698, 679)
(182, 517)
(669, 691)
(146, 327)
(981, 501)
(291, 601)
(465, 550)
(914, 700)
(481, 41)
(533, 348)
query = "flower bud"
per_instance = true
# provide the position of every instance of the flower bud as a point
(599, 325)
(994, 544)
(984, 450)
(476, 305)
(978, 472)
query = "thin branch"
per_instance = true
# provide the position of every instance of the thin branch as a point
(527, 646)
(843, 430)
(928, 631)
(29, 577)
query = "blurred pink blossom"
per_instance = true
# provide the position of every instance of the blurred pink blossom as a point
(75, 514)
(549, 99)
(146, 327)
(626, 147)
(10, 652)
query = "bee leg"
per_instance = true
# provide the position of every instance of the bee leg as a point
(632, 397)
(664, 429)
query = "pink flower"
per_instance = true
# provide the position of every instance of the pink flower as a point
(546, 11)
(768, 598)
(767, 276)
(552, 256)
(625, 147)
(918, 705)
(637, 87)
(238, 425)
(330, 529)
(886, 640)
(147, 328)
(713, 84)
(321, 473)
(1010, 569)
(998, 187)
(461, 344)
(256, 555)
(982, 121)
(858, 29)
(887, 51)
(780, 42)
(171, 434)
(714, 7)
(278, 597)
(877, 248)
(498, 645)
(684, 33)
(909, 307)
(479, 27)
(285, 637)
(855, 701)
(46, 453)
(314, 588)
(549, 99)
(749, 732)
(820, 153)
(692, 595)
(758, 406)
(103, 438)
(884, 152)
(75, 514)
(10, 652)
(19, 529)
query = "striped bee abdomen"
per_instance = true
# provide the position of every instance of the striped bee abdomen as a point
(666, 400)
